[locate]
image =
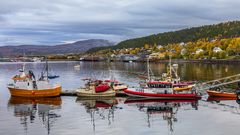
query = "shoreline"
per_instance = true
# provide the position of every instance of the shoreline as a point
(210, 61)
(201, 61)
(217, 61)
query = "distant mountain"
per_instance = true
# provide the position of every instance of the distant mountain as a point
(225, 30)
(76, 47)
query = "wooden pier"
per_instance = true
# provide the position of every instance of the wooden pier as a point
(74, 93)
(68, 93)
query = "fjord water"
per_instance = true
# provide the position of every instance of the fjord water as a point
(72, 115)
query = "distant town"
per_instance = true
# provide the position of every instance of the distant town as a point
(204, 49)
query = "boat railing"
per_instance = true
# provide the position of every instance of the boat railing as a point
(11, 85)
(203, 86)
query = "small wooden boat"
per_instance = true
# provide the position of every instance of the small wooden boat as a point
(53, 76)
(96, 88)
(157, 94)
(212, 93)
(26, 85)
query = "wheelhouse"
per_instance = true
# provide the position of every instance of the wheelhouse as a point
(159, 85)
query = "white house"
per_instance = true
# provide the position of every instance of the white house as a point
(198, 51)
(159, 46)
(182, 44)
(213, 40)
(156, 56)
(217, 49)
(183, 51)
(113, 55)
(69, 57)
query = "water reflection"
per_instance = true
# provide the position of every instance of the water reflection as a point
(113, 120)
(222, 104)
(219, 99)
(28, 110)
(165, 109)
(99, 108)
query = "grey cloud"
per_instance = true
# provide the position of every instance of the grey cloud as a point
(57, 21)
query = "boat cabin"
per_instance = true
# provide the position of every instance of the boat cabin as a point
(159, 85)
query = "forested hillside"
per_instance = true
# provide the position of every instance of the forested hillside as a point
(222, 30)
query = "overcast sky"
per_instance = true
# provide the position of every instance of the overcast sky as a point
(59, 21)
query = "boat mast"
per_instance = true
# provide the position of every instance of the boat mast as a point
(170, 66)
(148, 69)
(23, 67)
(47, 68)
(48, 123)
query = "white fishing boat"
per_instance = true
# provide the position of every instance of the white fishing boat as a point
(170, 77)
(27, 85)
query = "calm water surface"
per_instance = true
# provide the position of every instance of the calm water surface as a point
(72, 115)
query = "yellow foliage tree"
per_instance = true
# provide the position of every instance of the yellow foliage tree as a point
(146, 46)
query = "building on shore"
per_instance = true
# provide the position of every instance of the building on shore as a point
(157, 56)
(217, 49)
(92, 58)
(127, 57)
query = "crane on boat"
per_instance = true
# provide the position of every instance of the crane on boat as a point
(215, 84)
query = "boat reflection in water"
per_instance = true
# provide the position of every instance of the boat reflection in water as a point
(218, 99)
(99, 108)
(167, 109)
(29, 109)
(224, 104)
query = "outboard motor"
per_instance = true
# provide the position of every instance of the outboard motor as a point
(217, 89)
(238, 94)
(238, 101)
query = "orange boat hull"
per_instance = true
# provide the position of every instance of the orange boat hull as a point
(221, 94)
(35, 93)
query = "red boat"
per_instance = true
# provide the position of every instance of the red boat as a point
(161, 94)
(168, 80)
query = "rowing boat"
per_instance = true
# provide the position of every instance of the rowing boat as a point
(221, 94)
